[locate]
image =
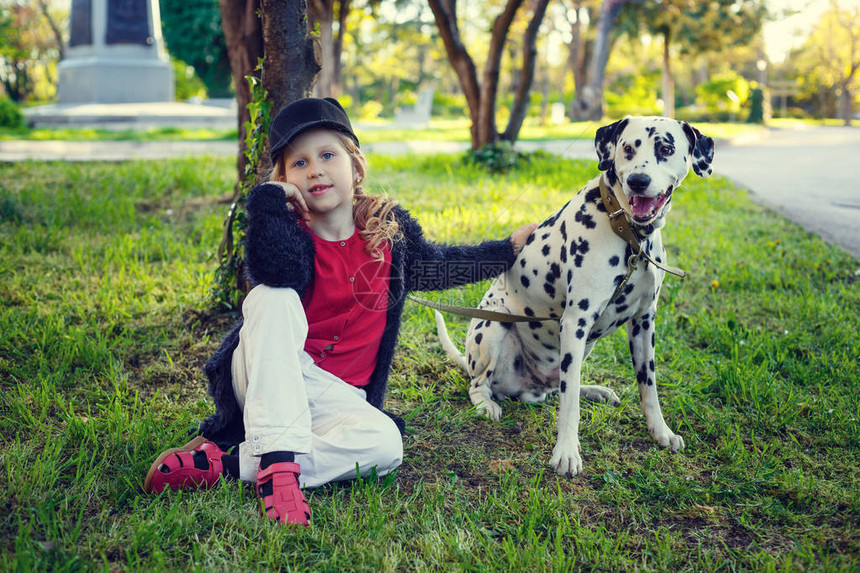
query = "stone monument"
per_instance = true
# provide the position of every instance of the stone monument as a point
(115, 54)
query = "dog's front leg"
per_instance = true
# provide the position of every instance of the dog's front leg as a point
(640, 335)
(566, 459)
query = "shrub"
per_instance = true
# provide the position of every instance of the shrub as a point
(497, 157)
(10, 114)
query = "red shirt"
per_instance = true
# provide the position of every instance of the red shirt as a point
(346, 308)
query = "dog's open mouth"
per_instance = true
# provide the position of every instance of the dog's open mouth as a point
(645, 209)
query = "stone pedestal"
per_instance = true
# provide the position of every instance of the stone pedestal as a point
(115, 54)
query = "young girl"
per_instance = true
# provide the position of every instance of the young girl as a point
(299, 384)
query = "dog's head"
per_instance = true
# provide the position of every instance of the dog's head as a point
(646, 158)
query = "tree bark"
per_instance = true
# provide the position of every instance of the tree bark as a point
(589, 103)
(55, 29)
(445, 13)
(244, 38)
(521, 98)
(668, 78)
(321, 12)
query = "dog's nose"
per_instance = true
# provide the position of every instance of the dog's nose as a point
(638, 182)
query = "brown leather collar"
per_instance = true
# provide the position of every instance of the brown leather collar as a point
(620, 223)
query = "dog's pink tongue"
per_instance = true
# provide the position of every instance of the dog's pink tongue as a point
(642, 206)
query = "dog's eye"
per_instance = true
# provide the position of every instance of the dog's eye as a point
(666, 150)
(628, 149)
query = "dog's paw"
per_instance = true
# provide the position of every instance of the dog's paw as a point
(666, 438)
(600, 394)
(489, 409)
(566, 461)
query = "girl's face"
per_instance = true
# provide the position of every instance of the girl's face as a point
(322, 169)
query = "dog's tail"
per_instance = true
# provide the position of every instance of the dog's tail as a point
(452, 351)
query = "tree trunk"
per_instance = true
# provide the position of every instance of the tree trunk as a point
(243, 36)
(486, 128)
(521, 98)
(589, 103)
(321, 12)
(337, 74)
(290, 64)
(846, 98)
(55, 29)
(575, 58)
(668, 78)
(445, 13)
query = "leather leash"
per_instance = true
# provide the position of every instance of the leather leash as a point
(620, 224)
(481, 313)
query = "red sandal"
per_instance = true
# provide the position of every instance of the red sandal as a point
(285, 503)
(175, 468)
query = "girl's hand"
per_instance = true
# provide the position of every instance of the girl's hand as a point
(295, 200)
(521, 235)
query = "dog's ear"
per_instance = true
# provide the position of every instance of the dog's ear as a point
(702, 150)
(605, 141)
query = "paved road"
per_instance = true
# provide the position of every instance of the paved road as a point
(811, 176)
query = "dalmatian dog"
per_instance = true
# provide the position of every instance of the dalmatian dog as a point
(573, 270)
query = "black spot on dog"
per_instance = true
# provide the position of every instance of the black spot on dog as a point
(523, 263)
(580, 334)
(549, 289)
(507, 325)
(525, 281)
(531, 239)
(479, 337)
(620, 308)
(651, 365)
(563, 230)
(563, 387)
(518, 363)
(528, 311)
(582, 322)
(613, 262)
(545, 250)
(638, 143)
(566, 361)
(534, 325)
(585, 219)
(592, 195)
(642, 377)
(583, 304)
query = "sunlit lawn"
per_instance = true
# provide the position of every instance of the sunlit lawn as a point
(368, 131)
(104, 326)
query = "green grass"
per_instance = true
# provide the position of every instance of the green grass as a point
(99, 134)
(368, 132)
(104, 271)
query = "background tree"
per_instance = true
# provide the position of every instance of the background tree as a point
(193, 34)
(324, 13)
(693, 28)
(589, 103)
(827, 62)
(481, 94)
(29, 50)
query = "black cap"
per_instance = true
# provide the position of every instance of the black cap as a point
(304, 114)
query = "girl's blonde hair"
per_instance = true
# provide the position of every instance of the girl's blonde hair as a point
(372, 214)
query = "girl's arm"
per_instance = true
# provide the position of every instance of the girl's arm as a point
(434, 266)
(278, 250)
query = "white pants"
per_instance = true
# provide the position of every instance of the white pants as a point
(291, 404)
